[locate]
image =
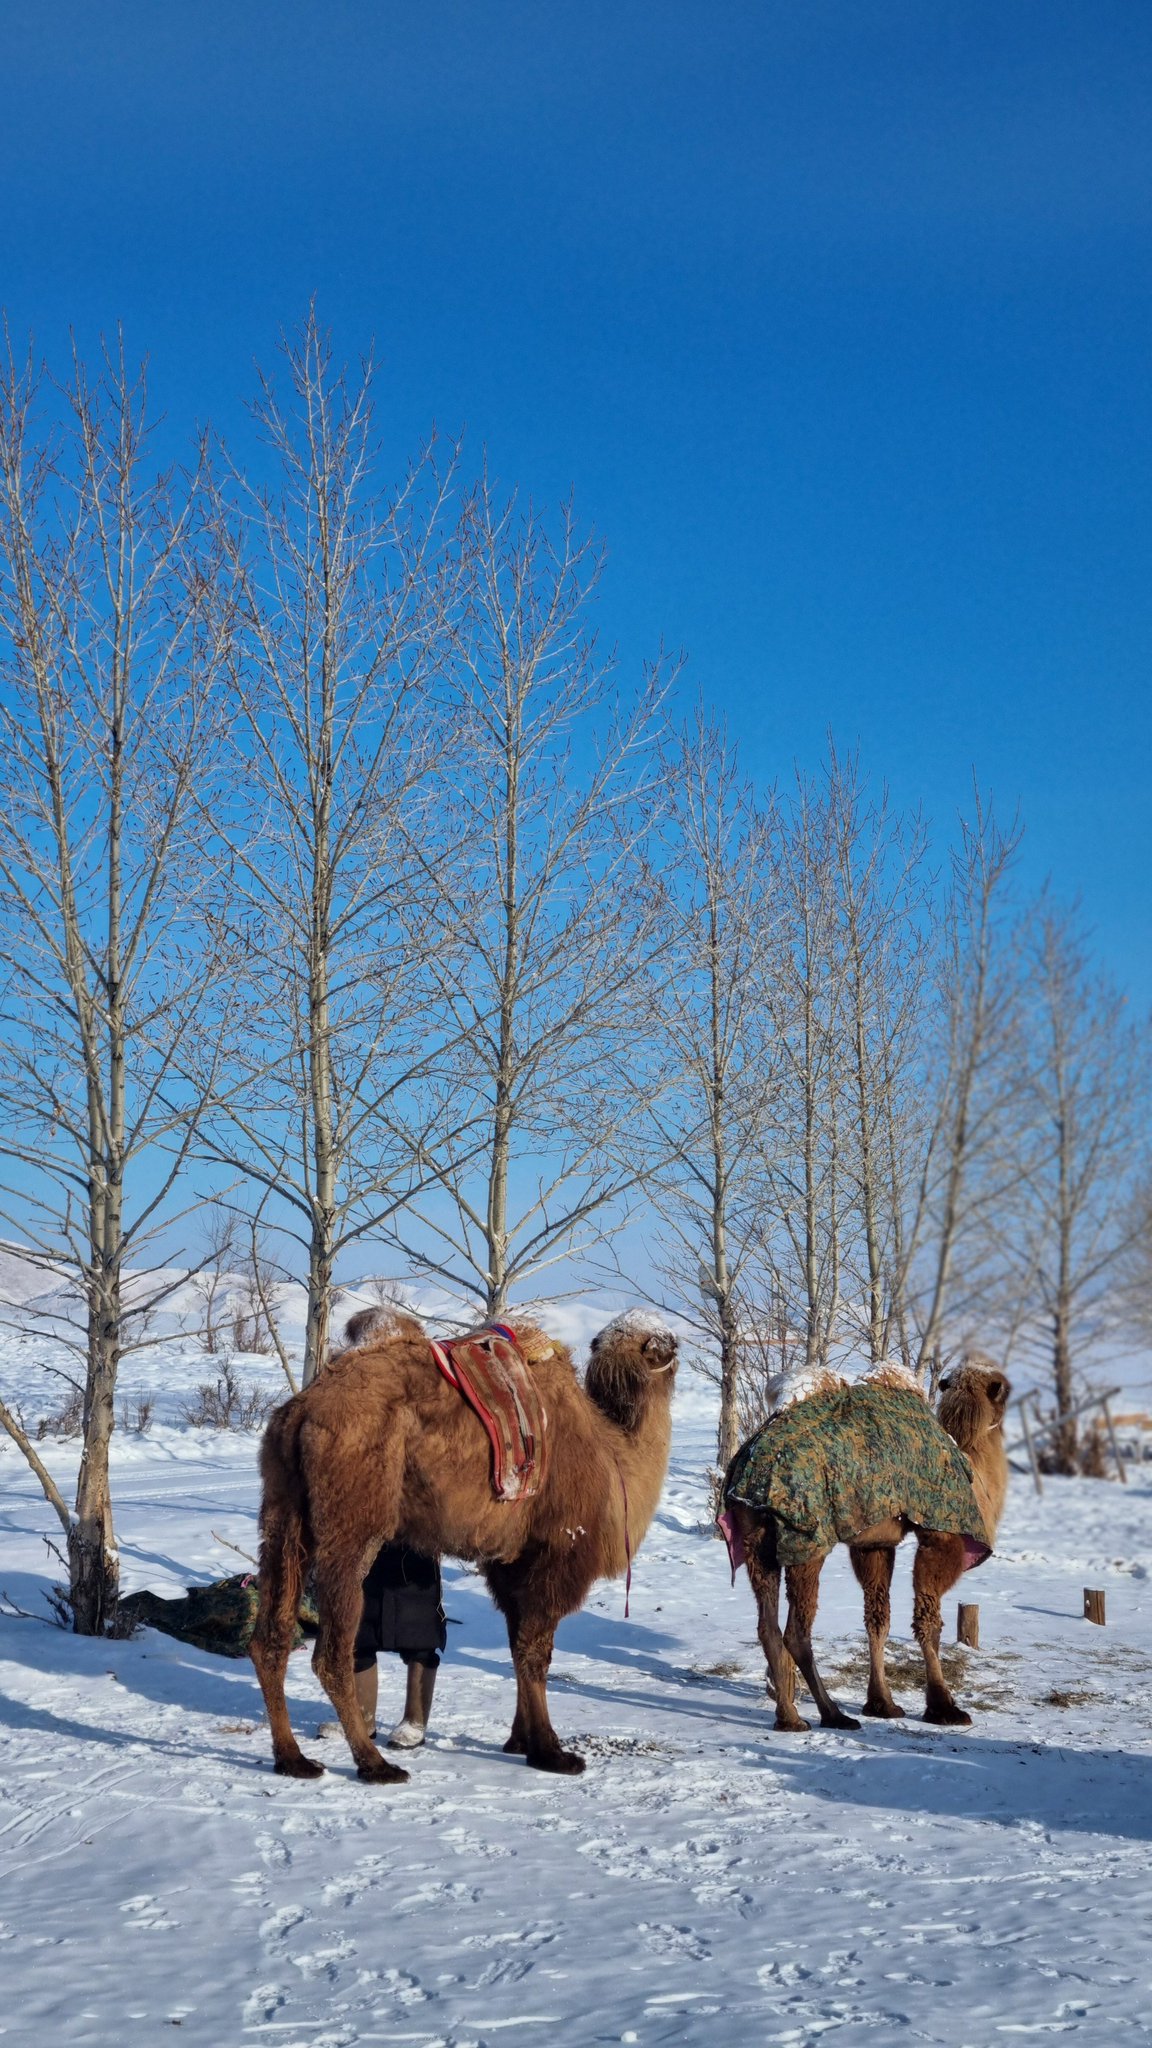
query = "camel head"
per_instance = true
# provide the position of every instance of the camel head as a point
(372, 1326)
(633, 1359)
(974, 1396)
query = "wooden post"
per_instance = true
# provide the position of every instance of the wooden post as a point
(1032, 1458)
(1094, 1605)
(1113, 1442)
(968, 1625)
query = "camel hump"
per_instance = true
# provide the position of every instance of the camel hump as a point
(380, 1325)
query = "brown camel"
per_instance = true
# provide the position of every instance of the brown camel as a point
(380, 1449)
(973, 1400)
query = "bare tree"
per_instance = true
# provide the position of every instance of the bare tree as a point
(340, 586)
(975, 1144)
(537, 927)
(882, 926)
(113, 640)
(1088, 1081)
(714, 1053)
(216, 1265)
(804, 1167)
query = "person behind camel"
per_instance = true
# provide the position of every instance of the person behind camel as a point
(403, 1611)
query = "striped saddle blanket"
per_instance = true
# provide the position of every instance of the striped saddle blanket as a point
(487, 1368)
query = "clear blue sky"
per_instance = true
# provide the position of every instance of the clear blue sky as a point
(835, 317)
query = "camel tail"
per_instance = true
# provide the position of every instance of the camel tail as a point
(285, 1546)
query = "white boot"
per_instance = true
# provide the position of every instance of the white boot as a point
(409, 1733)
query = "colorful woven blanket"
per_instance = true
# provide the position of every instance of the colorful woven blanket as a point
(835, 1464)
(494, 1378)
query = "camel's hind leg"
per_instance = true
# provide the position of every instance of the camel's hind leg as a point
(281, 1570)
(339, 1598)
(764, 1578)
(803, 1586)
(873, 1568)
(939, 1563)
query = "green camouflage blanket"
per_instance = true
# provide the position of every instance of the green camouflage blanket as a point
(835, 1464)
(219, 1617)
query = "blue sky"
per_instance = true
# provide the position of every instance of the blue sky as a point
(836, 320)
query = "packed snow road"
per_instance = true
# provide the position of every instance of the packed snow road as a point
(707, 1879)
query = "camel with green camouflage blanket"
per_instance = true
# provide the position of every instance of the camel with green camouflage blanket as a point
(865, 1463)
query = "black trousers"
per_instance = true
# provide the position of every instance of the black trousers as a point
(403, 1611)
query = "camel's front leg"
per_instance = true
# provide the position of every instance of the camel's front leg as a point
(873, 1568)
(803, 1585)
(764, 1579)
(532, 1610)
(532, 1729)
(517, 1743)
(939, 1563)
(340, 1600)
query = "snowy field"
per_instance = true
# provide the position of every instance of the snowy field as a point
(706, 1881)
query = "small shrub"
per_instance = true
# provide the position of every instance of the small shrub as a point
(136, 1416)
(227, 1403)
(68, 1419)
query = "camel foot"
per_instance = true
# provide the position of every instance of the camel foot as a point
(298, 1766)
(793, 1726)
(564, 1762)
(515, 1746)
(381, 1772)
(946, 1714)
(883, 1710)
(838, 1720)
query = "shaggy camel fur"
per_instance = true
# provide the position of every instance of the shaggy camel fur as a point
(380, 1449)
(973, 1400)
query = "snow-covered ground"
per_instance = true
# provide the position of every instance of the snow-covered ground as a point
(706, 1881)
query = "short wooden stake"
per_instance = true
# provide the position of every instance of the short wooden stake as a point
(968, 1625)
(1094, 1605)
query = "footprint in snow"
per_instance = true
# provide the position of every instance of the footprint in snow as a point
(262, 2002)
(146, 1911)
(324, 1962)
(507, 1970)
(538, 1935)
(278, 1924)
(429, 1894)
(665, 1939)
(404, 1989)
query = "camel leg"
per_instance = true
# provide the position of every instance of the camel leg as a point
(939, 1563)
(272, 1638)
(532, 1610)
(764, 1579)
(874, 1568)
(517, 1743)
(340, 1600)
(532, 1658)
(803, 1588)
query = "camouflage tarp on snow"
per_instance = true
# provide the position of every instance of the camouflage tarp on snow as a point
(219, 1617)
